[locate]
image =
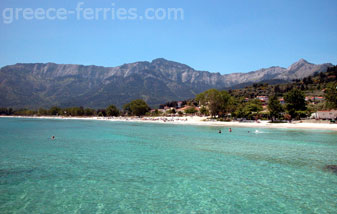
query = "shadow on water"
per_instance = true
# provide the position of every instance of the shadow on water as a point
(15, 176)
(275, 160)
(10, 172)
(331, 168)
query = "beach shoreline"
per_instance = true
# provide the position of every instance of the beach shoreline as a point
(196, 120)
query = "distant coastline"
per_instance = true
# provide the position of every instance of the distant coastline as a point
(198, 120)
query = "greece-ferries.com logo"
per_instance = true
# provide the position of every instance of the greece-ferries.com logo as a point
(81, 12)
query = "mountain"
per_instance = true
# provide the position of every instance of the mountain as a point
(36, 85)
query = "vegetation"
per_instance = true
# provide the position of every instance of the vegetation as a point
(191, 110)
(171, 111)
(296, 105)
(331, 95)
(136, 108)
(249, 110)
(275, 108)
(218, 102)
(112, 111)
(310, 86)
(6, 111)
(204, 111)
(101, 113)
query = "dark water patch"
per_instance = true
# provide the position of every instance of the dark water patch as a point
(331, 168)
(292, 160)
(11, 172)
(15, 176)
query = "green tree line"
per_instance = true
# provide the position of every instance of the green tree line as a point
(134, 108)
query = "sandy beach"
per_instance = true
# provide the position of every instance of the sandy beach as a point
(202, 121)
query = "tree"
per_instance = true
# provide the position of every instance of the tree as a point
(238, 113)
(89, 112)
(42, 111)
(155, 112)
(10, 111)
(330, 94)
(211, 98)
(248, 110)
(77, 111)
(295, 102)
(275, 108)
(226, 101)
(5, 111)
(218, 102)
(112, 111)
(204, 111)
(101, 112)
(55, 110)
(25, 112)
(127, 109)
(136, 107)
(277, 89)
(171, 111)
(252, 109)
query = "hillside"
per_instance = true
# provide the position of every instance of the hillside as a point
(44, 85)
(313, 85)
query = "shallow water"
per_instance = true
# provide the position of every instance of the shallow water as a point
(121, 167)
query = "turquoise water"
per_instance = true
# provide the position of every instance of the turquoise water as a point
(115, 167)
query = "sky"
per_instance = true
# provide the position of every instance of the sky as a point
(217, 36)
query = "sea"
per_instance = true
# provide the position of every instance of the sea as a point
(133, 167)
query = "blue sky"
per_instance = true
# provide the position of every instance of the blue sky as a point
(217, 36)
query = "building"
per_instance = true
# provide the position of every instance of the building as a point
(314, 99)
(319, 99)
(325, 115)
(263, 98)
(281, 100)
(167, 108)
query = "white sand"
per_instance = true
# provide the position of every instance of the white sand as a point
(196, 120)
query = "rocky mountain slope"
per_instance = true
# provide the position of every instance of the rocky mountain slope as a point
(43, 85)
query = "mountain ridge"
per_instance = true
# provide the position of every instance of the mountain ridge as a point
(32, 85)
(299, 62)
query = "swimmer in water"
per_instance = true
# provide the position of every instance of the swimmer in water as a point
(219, 131)
(53, 137)
(230, 129)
